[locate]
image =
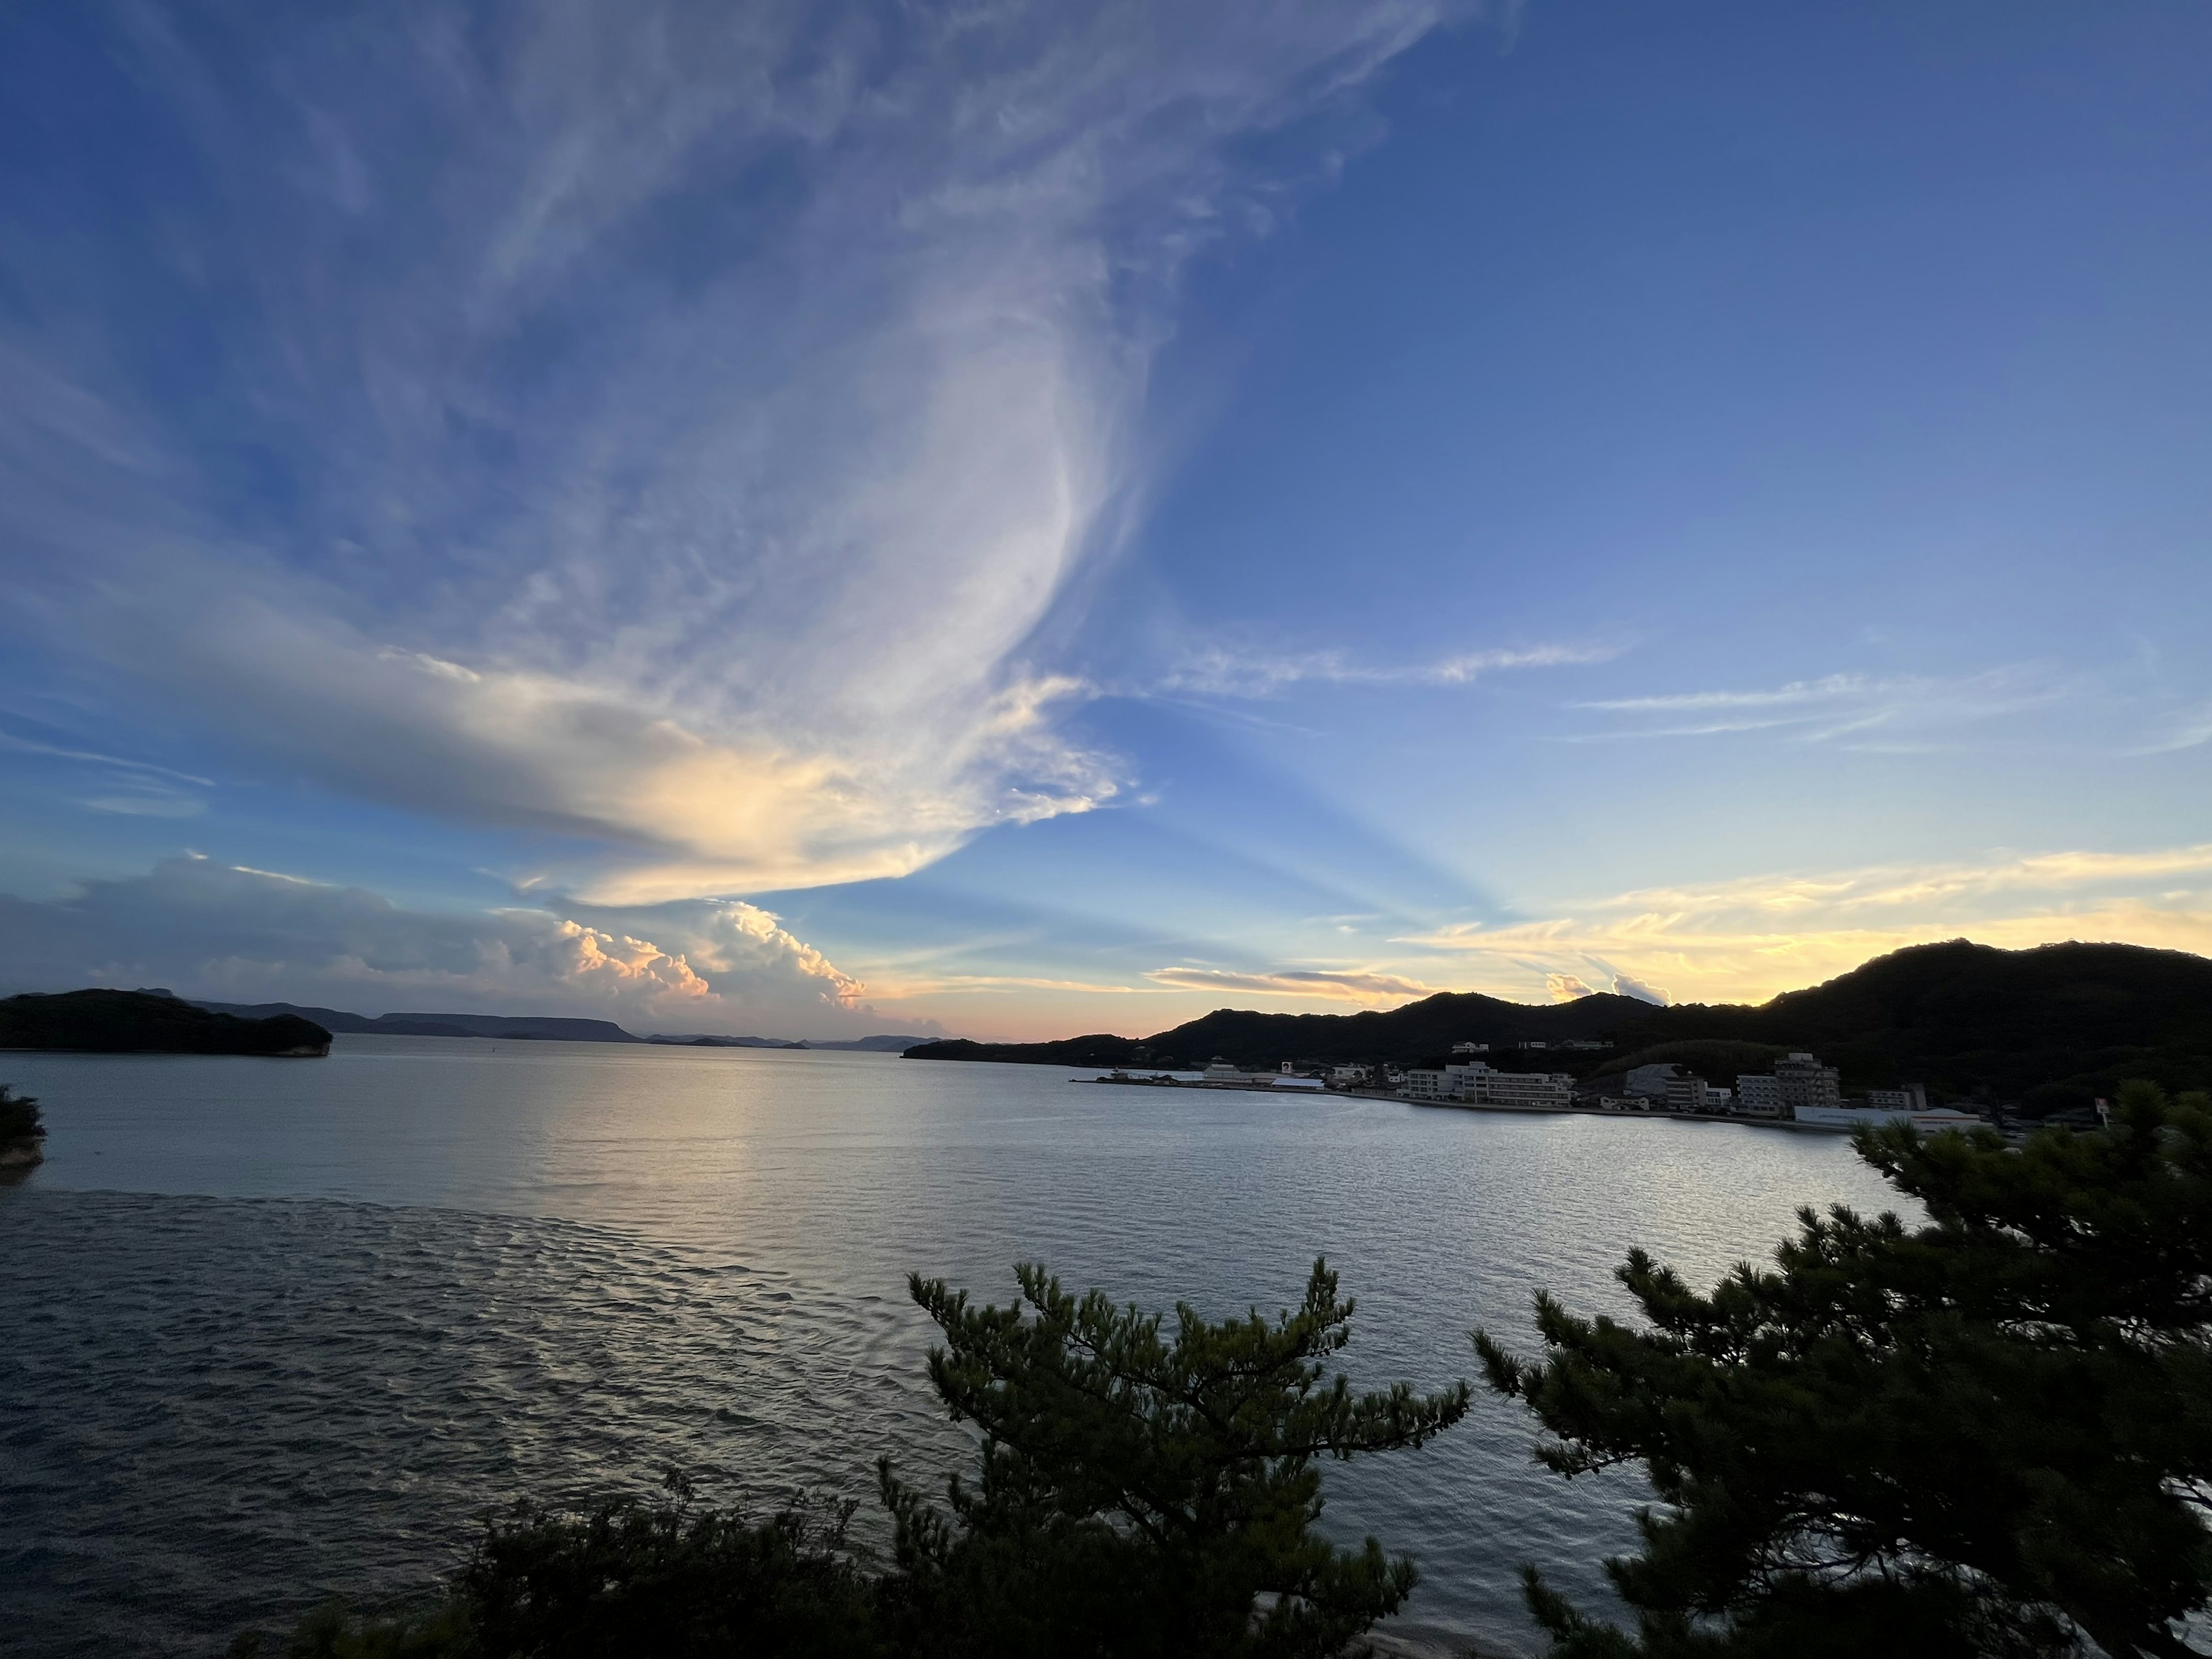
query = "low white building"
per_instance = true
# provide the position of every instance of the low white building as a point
(1479, 1085)
(1222, 1072)
(1847, 1118)
(1475, 1085)
(1347, 1077)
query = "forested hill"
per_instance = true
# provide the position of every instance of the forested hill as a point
(2052, 1025)
(101, 1021)
(1430, 1026)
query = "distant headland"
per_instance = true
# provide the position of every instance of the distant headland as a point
(145, 1022)
(533, 1028)
(104, 1018)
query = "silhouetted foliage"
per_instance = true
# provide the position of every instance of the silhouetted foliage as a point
(1989, 1435)
(19, 1116)
(2068, 1021)
(1140, 1486)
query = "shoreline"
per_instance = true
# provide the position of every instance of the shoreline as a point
(1165, 1082)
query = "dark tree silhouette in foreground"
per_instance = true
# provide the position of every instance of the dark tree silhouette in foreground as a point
(1989, 1435)
(1141, 1487)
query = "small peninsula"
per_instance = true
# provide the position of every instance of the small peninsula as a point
(139, 1023)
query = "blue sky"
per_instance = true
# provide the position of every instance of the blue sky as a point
(1021, 519)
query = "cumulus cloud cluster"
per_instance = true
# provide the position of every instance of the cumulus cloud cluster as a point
(673, 422)
(229, 933)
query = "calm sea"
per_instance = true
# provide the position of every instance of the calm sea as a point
(274, 1329)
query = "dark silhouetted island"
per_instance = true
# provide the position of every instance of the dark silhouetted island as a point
(2053, 1027)
(531, 1028)
(143, 1022)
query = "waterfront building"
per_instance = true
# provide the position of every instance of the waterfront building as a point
(1798, 1084)
(1483, 1087)
(1425, 1083)
(1758, 1096)
(1686, 1093)
(1806, 1083)
(1850, 1117)
(1222, 1072)
(1907, 1097)
(1347, 1077)
(1650, 1080)
(1475, 1085)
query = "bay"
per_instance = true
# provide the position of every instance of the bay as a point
(276, 1328)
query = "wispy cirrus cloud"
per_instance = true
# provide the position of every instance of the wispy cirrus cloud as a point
(1334, 984)
(1256, 672)
(673, 422)
(1876, 710)
(2172, 732)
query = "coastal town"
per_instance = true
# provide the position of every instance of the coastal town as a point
(1799, 1092)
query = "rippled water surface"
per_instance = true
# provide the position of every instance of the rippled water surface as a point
(275, 1327)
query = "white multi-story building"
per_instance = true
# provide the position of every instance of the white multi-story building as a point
(1425, 1083)
(1650, 1080)
(1758, 1096)
(1479, 1085)
(1686, 1093)
(1806, 1083)
(1475, 1085)
(1798, 1084)
(1552, 1089)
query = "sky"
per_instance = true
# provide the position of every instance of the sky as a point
(1017, 520)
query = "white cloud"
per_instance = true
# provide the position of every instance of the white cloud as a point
(1566, 987)
(1890, 713)
(234, 934)
(1627, 986)
(687, 416)
(2190, 729)
(1254, 671)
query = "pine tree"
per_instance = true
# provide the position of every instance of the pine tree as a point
(1141, 1491)
(1990, 1434)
